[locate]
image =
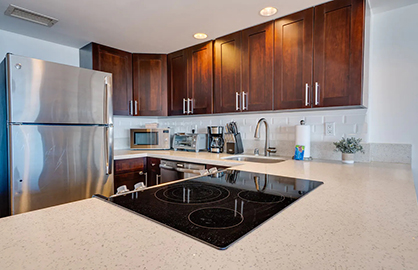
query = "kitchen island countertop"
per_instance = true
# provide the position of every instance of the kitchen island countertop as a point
(365, 216)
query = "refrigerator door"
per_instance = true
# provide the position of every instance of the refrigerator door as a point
(51, 165)
(46, 92)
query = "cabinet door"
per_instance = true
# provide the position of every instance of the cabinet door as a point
(129, 179)
(119, 63)
(257, 68)
(338, 53)
(129, 172)
(227, 55)
(177, 82)
(293, 60)
(200, 77)
(150, 84)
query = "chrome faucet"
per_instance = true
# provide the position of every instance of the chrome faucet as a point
(267, 149)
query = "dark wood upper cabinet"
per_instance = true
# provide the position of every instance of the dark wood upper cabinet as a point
(150, 84)
(117, 62)
(227, 77)
(293, 58)
(177, 82)
(200, 77)
(257, 68)
(190, 80)
(338, 53)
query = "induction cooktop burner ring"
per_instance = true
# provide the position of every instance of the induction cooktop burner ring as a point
(245, 198)
(226, 193)
(236, 214)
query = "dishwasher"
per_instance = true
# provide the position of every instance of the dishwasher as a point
(175, 170)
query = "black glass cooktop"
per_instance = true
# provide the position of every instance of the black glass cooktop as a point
(217, 209)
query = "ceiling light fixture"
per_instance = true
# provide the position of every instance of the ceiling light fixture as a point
(200, 36)
(268, 11)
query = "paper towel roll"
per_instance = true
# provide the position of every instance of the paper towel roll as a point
(303, 137)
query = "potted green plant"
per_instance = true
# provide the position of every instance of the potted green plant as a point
(348, 147)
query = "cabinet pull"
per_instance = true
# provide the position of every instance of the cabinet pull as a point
(307, 95)
(184, 106)
(316, 93)
(136, 107)
(237, 101)
(244, 101)
(188, 106)
(131, 107)
(191, 105)
(146, 177)
(157, 179)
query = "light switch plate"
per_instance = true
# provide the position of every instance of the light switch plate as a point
(330, 129)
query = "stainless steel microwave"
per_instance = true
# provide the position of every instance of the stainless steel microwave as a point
(150, 138)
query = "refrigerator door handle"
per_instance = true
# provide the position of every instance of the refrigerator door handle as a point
(106, 109)
(108, 151)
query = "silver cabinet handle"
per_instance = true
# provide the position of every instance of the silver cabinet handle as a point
(184, 106)
(157, 179)
(131, 107)
(191, 105)
(146, 177)
(136, 107)
(307, 95)
(316, 93)
(237, 97)
(188, 106)
(244, 101)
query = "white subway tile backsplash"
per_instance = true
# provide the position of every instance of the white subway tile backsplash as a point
(337, 119)
(282, 125)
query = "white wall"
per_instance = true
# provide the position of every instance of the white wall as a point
(37, 48)
(393, 103)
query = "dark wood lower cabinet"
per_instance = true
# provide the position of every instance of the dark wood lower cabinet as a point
(129, 179)
(129, 172)
(134, 170)
(154, 173)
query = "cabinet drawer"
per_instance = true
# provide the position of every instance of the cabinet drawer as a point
(129, 165)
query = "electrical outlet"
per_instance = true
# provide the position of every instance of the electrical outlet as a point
(330, 129)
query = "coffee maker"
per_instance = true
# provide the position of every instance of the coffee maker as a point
(215, 139)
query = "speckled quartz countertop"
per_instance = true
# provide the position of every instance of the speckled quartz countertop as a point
(365, 216)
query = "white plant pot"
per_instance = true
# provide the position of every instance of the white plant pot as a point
(348, 158)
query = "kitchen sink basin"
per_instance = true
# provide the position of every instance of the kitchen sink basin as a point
(256, 159)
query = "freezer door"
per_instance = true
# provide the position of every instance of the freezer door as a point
(52, 165)
(46, 92)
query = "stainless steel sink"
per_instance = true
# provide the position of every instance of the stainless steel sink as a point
(257, 159)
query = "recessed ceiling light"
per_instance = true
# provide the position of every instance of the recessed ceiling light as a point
(268, 11)
(200, 36)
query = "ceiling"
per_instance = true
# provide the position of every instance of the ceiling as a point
(149, 26)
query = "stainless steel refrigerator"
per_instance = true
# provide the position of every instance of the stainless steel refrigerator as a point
(56, 134)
